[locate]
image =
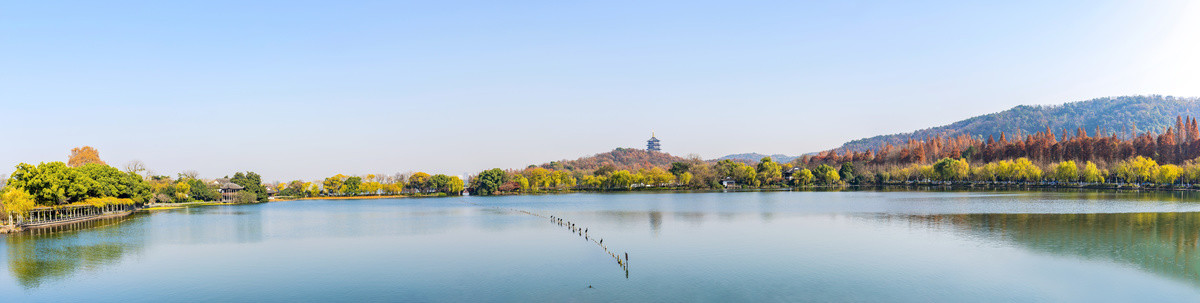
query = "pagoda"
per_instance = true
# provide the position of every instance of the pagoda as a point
(652, 144)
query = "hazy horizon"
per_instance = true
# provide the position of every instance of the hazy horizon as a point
(302, 90)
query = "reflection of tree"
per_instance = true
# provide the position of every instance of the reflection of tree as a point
(219, 225)
(1163, 243)
(656, 222)
(622, 217)
(693, 217)
(39, 256)
(1054, 193)
(249, 227)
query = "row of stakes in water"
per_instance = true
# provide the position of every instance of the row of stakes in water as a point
(582, 232)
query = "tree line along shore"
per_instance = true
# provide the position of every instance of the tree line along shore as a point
(1165, 160)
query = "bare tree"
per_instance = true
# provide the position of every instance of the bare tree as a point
(135, 167)
(189, 174)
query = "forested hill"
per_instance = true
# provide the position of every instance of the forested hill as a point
(620, 158)
(755, 157)
(1110, 115)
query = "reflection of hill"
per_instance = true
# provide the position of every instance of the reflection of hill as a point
(1162, 243)
(43, 255)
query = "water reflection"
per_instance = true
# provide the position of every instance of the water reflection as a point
(1046, 193)
(1161, 243)
(212, 224)
(440, 238)
(42, 255)
(656, 222)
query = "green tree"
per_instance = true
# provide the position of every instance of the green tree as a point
(333, 185)
(251, 182)
(847, 171)
(826, 174)
(106, 181)
(604, 170)
(727, 168)
(951, 169)
(969, 153)
(201, 191)
(419, 181)
(440, 183)
(100, 180)
(294, 189)
(488, 182)
(244, 197)
(769, 171)
(678, 168)
(883, 177)
(352, 186)
(51, 183)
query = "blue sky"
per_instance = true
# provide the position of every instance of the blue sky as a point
(306, 89)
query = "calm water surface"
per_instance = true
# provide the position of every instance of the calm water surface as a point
(683, 247)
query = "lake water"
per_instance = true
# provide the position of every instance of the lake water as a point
(683, 247)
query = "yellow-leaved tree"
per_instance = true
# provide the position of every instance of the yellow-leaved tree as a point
(1092, 174)
(1065, 171)
(16, 202)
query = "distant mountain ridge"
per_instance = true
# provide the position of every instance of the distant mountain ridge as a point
(1108, 115)
(755, 157)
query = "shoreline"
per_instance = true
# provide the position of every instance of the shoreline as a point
(911, 186)
(12, 229)
(908, 186)
(77, 220)
(345, 198)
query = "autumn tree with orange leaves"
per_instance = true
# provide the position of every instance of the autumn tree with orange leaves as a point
(1172, 145)
(84, 155)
